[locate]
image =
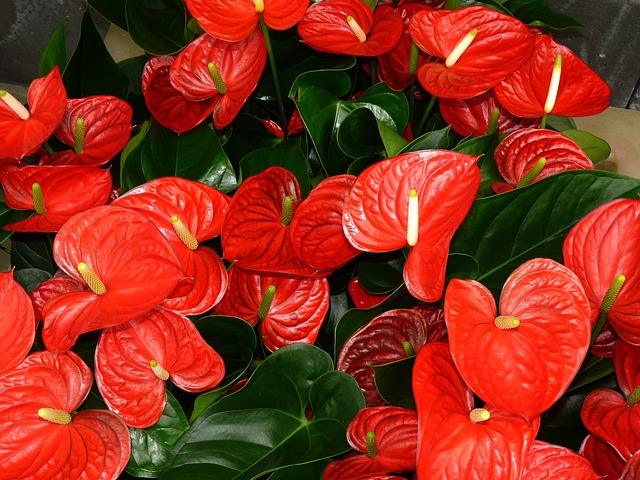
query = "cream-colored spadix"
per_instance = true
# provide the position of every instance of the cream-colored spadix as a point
(413, 218)
(13, 103)
(356, 29)
(554, 85)
(460, 48)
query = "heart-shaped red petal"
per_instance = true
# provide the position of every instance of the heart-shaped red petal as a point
(52, 288)
(283, 14)
(580, 92)
(632, 470)
(356, 467)
(134, 360)
(289, 309)
(229, 20)
(389, 337)
(546, 461)
(455, 440)
(602, 246)
(17, 323)
(360, 297)
(626, 361)
(442, 186)
(523, 360)
(38, 443)
(603, 458)
(316, 231)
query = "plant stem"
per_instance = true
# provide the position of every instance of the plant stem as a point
(425, 115)
(453, 4)
(274, 73)
(543, 121)
(412, 102)
(374, 72)
(602, 319)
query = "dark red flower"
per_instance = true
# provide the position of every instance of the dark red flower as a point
(632, 469)
(456, 440)
(235, 20)
(529, 155)
(350, 27)
(42, 436)
(603, 249)
(296, 126)
(417, 199)
(272, 127)
(167, 104)
(289, 309)
(523, 359)
(124, 260)
(52, 288)
(605, 342)
(187, 213)
(554, 80)
(17, 323)
(471, 116)
(553, 462)
(389, 337)
(24, 131)
(226, 73)
(56, 193)
(97, 128)
(479, 45)
(604, 458)
(134, 360)
(360, 297)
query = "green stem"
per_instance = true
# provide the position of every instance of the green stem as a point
(543, 121)
(494, 119)
(412, 102)
(414, 53)
(425, 115)
(274, 72)
(598, 327)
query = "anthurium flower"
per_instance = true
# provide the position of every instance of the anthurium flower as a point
(289, 309)
(605, 342)
(42, 435)
(97, 128)
(360, 297)
(187, 213)
(135, 360)
(168, 105)
(417, 199)
(479, 45)
(529, 155)
(350, 27)
(551, 461)
(316, 231)
(553, 80)
(626, 362)
(345, 469)
(603, 249)
(124, 260)
(389, 337)
(474, 116)
(209, 68)
(632, 469)
(255, 232)
(456, 440)
(24, 130)
(52, 288)
(56, 193)
(604, 458)
(17, 323)
(235, 20)
(523, 359)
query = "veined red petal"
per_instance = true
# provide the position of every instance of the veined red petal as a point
(553, 462)
(17, 323)
(355, 467)
(626, 361)
(360, 297)
(604, 458)
(50, 289)
(284, 14)
(632, 470)
(229, 20)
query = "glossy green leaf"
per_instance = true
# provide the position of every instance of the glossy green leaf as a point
(503, 231)
(560, 123)
(245, 127)
(309, 471)
(594, 370)
(594, 147)
(393, 382)
(30, 278)
(55, 52)
(437, 139)
(132, 68)
(112, 10)
(8, 216)
(263, 427)
(151, 447)
(380, 274)
(393, 142)
(32, 251)
(131, 174)
(538, 13)
(495, 4)
(157, 26)
(483, 146)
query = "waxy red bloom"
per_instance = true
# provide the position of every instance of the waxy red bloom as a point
(603, 249)
(554, 80)
(56, 193)
(225, 73)
(52, 288)
(235, 20)
(604, 458)
(17, 323)
(168, 105)
(605, 342)
(632, 470)
(42, 436)
(316, 231)
(289, 309)
(187, 213)
(456, 440)
(389, 337)
(350, 27)
(523, 359)
(23, 131)
(360, 297)
(124, 260)
(471, 116)
(134, 361)
(479, 45)
(558, 463)
(530, 154)
(417, 199)
(97, 128)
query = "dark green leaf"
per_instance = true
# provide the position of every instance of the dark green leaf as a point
(8, 216)
(30, 278)
(429, 141)
(495, 4)
(112, 10)
(131, 174)
(593, 371)
(157, 26)
(393, 142)
(309, 471)
(538, 13)
(132, 68)
(55, 53)
(248, 134)
(484, 146)
(91, 70)
(594, 147)
(560, 123)
(393, 382)
(32, 251)
(380, 274)
(151, 447)
(503, 231)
